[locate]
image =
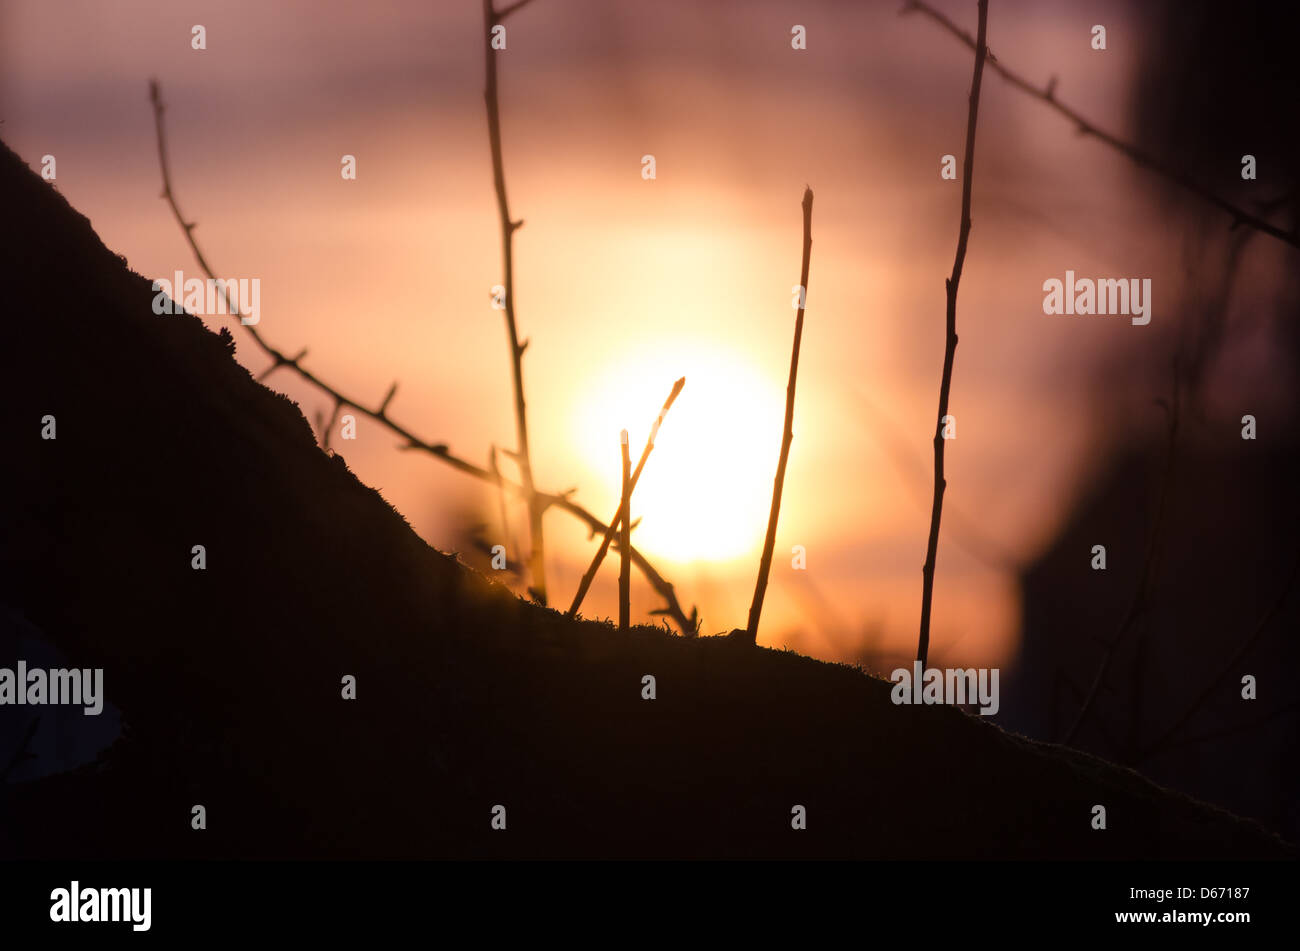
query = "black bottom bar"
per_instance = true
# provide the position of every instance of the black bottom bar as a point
(807, 901)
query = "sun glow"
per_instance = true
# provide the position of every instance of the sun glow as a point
(707, 487)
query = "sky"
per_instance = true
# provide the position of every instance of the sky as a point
(624, 284)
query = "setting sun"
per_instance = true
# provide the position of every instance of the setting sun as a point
(705, 492)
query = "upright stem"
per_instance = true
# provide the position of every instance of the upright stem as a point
(765, 564)
(624, 540)
(1141, 597)
(1047, 94)
(503, 507)
(950, 348)
(537, 560)
(439, 450)
(617, 520)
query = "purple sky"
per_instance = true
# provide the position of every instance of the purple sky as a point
(624, 284)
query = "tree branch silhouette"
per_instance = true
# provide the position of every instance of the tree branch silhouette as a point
(1249, 725)
(507, 537)
(1139, 603)
(1165, 738)
(960, 528)
(1047, 94)
(326, 426)
(523, 457)
(23, 753)
(380, 415)
(778, 484)
(624, 537)
(950, 346)
(511, 8)
(618, 518)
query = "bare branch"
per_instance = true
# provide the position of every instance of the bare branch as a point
(537, 558)
(1254, 724)
(950, 346)
(1238, 214)
(279, 361)
(1228, 669)
(1138, 606)
(506, 536)
(778, 484)
(328, 428)
(624, 511)
(501, 14)
(958, 526)
(23, 753)
(614, 523)
(410, 440)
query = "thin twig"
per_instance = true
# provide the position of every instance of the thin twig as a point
(1219, 734)
(1240, 216)
(778, 484)
(950, 347)
(511, 8)
(1229, 668)
(1138, 605)
(537, 556)
(1188, 366)
(617, 520)
(625, 511)
(327, 425)
(506, 536)
(277, 363)
(23, 753)
(959, 527)
(440, 451)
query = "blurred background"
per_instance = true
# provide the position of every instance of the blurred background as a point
(623, 284)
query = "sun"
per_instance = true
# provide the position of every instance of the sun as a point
(707, 488)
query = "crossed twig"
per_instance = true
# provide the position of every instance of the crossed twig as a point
(1047, 94)
(379, 414)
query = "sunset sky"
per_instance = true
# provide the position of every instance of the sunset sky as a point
(623, 285)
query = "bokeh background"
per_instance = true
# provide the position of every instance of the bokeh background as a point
(623, 284)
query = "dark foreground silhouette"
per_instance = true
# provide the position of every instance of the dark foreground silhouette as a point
(229, 679)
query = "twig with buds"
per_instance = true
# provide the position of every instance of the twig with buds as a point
(1047, 94)
(950, 345)
(380, 415)
(537, 558)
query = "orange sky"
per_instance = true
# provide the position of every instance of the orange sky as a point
(623, 284)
